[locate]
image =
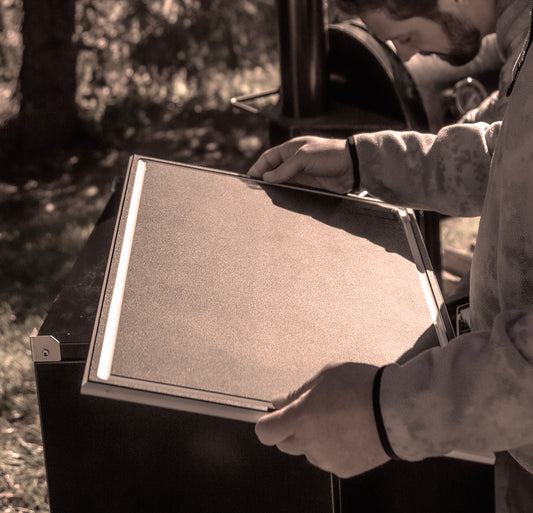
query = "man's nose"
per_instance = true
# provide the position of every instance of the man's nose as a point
(405, 52)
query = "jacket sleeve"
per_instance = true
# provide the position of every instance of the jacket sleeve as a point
(474, 395)
(447, 172)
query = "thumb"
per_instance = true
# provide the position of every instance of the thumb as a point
(283, 173)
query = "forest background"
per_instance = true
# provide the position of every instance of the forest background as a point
(83, 85)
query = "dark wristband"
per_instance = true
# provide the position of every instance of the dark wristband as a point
(382, 432)
(355, 163)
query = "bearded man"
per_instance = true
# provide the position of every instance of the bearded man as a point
(453, 30)
(476, 393)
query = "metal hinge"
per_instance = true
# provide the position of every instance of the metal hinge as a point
(45, 348)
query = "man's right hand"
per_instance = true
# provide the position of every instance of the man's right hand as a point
(309, 161)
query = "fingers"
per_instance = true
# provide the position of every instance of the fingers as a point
(282, 424)
(280, 429)
(283, 173)
(290, 446)
(268, 429)
(275, 427)
(278, 164)
(275, 166)
(329, 420)
(268, 161)
(309, 161)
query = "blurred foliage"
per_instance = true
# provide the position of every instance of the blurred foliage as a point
(10, 56)
(42, 228)
(10, 39)
(22, 475)
(154, 77)
(459, 232)
(39, 250)
(195, 54)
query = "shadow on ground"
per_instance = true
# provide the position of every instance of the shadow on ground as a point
(49, 202)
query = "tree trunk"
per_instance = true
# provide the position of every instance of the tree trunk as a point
(48, 114)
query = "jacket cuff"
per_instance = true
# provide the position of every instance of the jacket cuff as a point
(382, 432)
(355, 163)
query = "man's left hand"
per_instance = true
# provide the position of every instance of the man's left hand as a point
(330, 420)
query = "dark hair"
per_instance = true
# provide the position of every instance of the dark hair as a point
(401, 9)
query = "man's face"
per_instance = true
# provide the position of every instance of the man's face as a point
(449, 37)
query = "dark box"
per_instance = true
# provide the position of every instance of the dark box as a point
(230, 290)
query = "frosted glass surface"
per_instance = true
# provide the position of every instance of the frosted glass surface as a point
(247, 290)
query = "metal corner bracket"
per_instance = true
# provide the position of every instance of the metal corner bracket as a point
(45, 348)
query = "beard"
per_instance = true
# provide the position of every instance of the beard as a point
(465, 39)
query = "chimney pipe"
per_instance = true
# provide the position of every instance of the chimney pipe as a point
(302, 31)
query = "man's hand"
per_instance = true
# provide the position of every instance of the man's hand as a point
(309, 161)
(330, 420)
